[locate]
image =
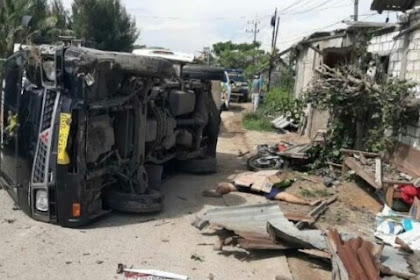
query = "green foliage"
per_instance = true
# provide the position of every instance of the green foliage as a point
(241, 56)
(104, 24)
(364, 115)
(44, 27)
(60, 13)
(257, 121)
(276, 103)
(280, 102)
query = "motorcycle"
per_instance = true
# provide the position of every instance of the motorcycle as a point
(267, 158)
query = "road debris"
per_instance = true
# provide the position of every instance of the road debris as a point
(9, 221)
(197, 257)
(353, 259)
(146, 274)
(211, 193)
(259, 227)
(398, 229)
(317, 212)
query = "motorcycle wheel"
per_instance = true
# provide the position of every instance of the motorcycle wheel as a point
(258, 163)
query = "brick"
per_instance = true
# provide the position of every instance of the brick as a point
(396, 74)
(417, 66)
(411, 46)
(412, 55)
(410, 66)
(397, 66)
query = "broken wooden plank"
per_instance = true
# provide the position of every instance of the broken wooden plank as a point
(396, 182)
(335, 164)
(317, 212)
(378, 172)
(369, 177)
(339, 272)
(365, 154)
(298, 217)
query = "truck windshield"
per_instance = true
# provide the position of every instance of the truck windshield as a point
(236, 77)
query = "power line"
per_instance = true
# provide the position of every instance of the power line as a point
(313, 31)
(315, 7)
(255, 30)
(290, 6)
(319, 10)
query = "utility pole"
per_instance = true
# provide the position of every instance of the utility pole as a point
(275, 23)
(356, 10)
(255, 30)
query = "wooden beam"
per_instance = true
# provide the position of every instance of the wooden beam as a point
(378, 172)
(315, 49)
(369, 177)
(366, 154)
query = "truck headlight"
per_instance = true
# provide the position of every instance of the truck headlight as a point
(41, 200)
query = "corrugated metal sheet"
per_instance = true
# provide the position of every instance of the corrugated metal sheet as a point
(264, 226)
(246, 219)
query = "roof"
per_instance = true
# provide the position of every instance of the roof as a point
(391, 5)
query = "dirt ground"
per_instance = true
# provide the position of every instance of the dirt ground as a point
(34, 250)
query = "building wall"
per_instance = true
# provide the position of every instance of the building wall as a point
(308, 61)
(404, 63)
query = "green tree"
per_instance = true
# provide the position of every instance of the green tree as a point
(43, 27)
(60, 13)
(104, 24)
(244, 56)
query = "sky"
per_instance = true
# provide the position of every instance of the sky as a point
(190, 25)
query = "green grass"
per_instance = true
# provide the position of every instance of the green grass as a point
(276, 103)
(255, 121)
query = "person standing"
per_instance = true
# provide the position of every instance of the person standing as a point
(256, 91)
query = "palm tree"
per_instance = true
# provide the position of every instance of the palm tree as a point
(46, 25)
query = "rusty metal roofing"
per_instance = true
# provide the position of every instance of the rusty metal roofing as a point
(392, 5)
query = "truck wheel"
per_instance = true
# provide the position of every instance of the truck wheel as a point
(201, 72)
(198, 166)
(213, 128)
(134, 203)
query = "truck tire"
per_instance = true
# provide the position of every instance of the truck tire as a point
(134, 203)
(206, 165)
(202, 72)
(213, 128)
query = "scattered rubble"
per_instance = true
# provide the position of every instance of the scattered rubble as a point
(259, 227)
(145, 274)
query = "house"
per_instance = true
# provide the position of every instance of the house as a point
(332, 48)
(399, 48)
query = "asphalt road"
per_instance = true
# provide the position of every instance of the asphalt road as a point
(35, 250)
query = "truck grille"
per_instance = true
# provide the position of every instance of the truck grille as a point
(41, 161)
(48, 110)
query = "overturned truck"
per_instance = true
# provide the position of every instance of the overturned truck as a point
(84, 132)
